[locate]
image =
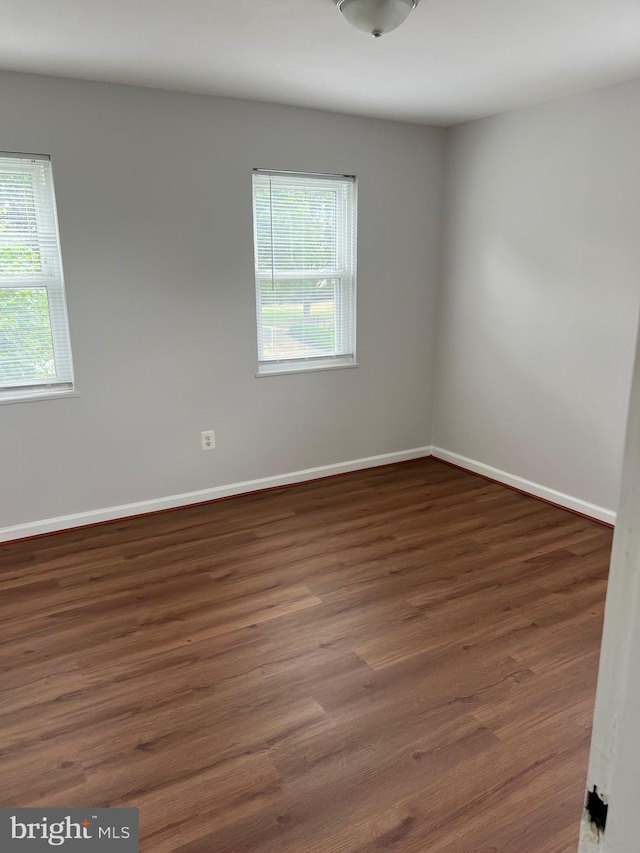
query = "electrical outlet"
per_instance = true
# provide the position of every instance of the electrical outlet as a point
(208, 440)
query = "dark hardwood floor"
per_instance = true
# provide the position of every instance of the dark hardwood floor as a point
(398, 659)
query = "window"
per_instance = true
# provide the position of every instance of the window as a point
(305, 256)
(35, 353)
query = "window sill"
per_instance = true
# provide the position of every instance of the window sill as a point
(32, 396)
(289, 369)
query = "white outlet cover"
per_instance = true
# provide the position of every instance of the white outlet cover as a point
(208, 440)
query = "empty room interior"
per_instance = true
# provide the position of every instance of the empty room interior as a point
(317, 339)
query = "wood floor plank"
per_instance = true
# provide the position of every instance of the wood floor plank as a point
(402, 658)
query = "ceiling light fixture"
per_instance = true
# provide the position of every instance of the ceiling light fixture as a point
(376, 17)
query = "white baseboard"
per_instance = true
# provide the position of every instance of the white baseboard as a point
(80, 519)
(531, 488)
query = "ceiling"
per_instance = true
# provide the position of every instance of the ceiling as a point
(452, 60)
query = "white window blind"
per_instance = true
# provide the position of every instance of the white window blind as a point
(35, 352)
(305, 258)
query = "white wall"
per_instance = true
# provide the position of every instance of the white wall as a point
(154, 198)
(541, 288)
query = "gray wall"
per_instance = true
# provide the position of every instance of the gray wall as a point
(154, 199)
(537, 312)
(541, 287)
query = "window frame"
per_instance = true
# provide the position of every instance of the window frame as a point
(346, 273)
(49, 278)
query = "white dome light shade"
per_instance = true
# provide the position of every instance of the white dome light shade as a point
(376, 17)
